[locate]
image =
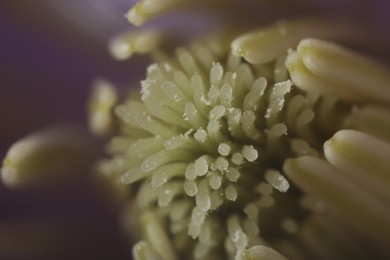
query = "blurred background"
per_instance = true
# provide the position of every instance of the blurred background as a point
(50, 53)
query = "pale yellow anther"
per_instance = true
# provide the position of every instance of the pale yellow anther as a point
(146, 10)
(363, 78)
(269, 43)
(342, 196)
(142, 41)
(102, 101)
(136, 15)
(46, 157)
(363, 159)
(304, 79)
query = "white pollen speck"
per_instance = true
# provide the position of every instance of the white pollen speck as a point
(189, 132)
(278, 130)
(277, 180)
(185, 117)
(205, 101)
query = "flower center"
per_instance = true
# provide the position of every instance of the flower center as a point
(206, 143)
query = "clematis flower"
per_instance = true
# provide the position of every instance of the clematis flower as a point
(252, 138)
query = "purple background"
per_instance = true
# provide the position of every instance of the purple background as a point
(47, 65)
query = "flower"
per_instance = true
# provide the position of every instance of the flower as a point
(247, 142)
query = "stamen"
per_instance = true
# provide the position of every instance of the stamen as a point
(342, 196)
(157, 236)
(146, 9)
(371, 119)
(271, 42)
(142, 250)
(345, 69)
(46, 157)
(102, 101)
(362, 158)
(123, 46)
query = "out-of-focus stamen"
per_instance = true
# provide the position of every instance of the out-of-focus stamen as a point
(46, 157)
(361, 77)
(143, 251)
(144, 10)
(371, 119)
(156, 235)
(342, 196)
(362, 158)
(142, 41)
(269, 43)
(101, 104)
